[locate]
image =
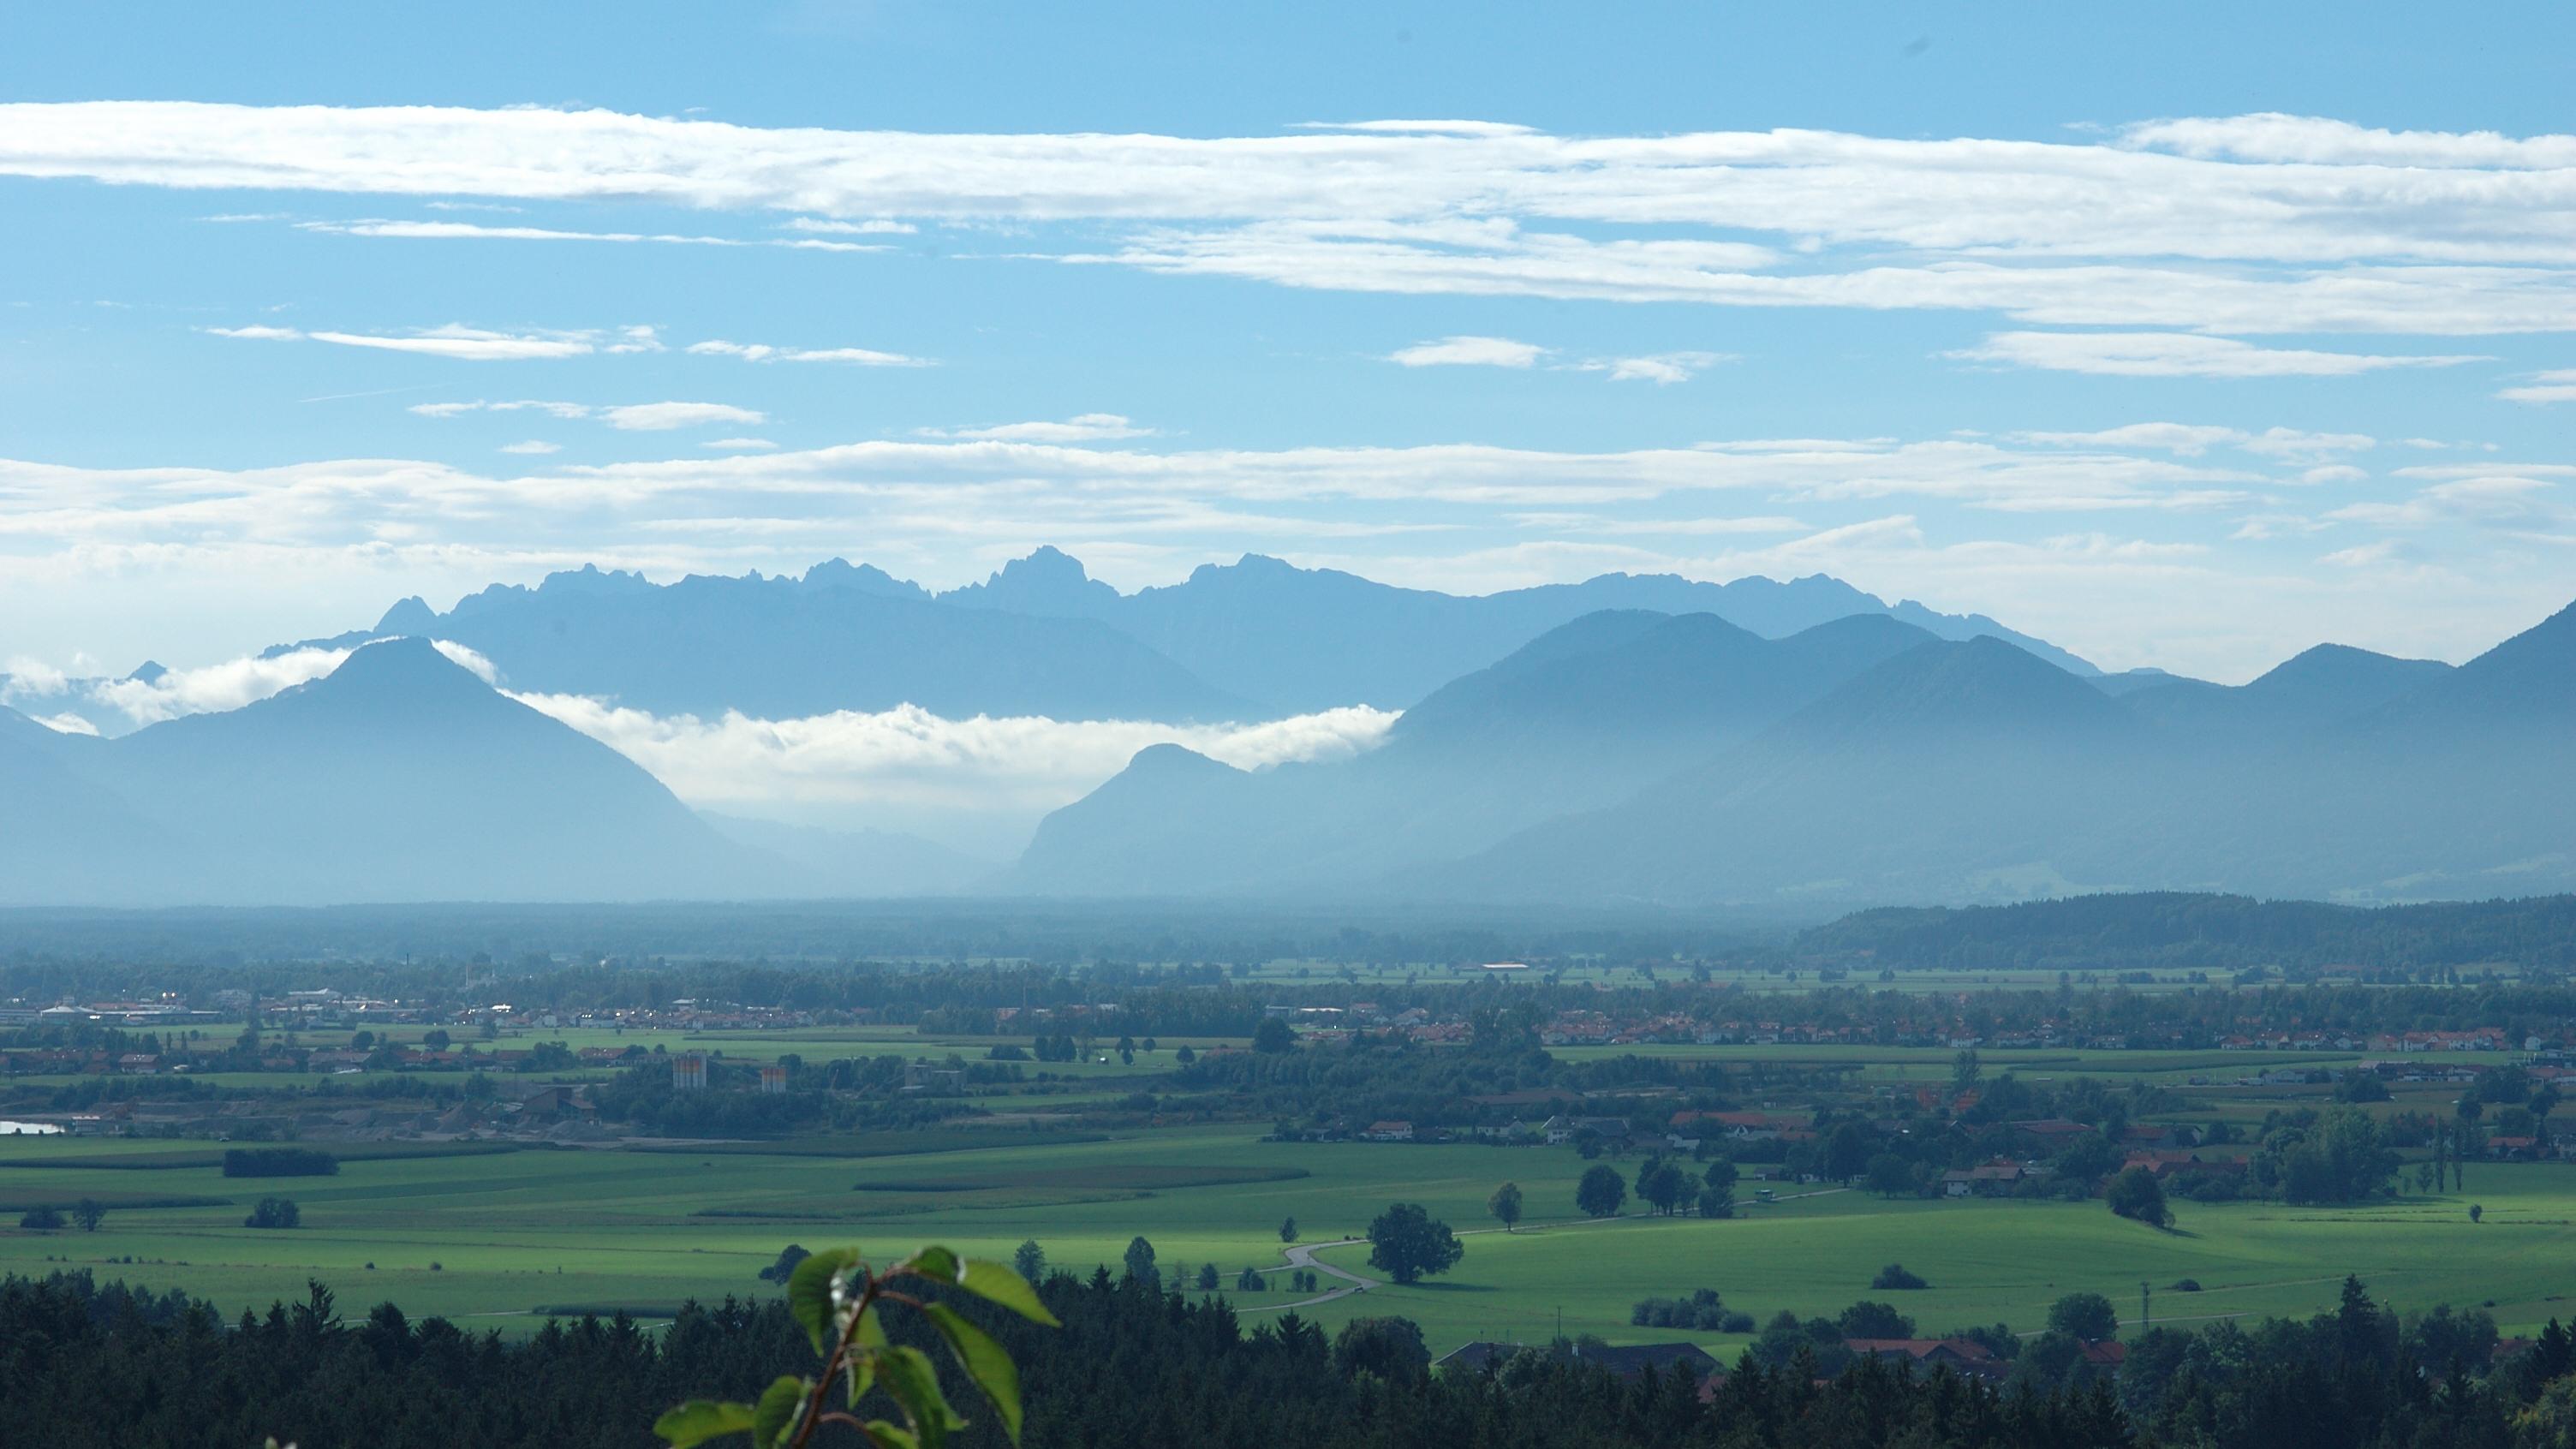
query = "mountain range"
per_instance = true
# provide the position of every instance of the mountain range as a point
(1623, 755)
(1678, 761)
(1254, 640)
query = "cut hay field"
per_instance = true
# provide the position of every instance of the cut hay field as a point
(514, 1233)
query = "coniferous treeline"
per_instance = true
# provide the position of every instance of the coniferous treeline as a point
(103, 1366)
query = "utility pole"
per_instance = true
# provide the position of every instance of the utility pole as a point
(2146, 1311)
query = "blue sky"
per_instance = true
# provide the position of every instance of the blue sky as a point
(2186, 338)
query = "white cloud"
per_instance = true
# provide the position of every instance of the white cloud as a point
(1469, 352)
(229, 685)
(763, 352)
(458, 409)
(740, 445)
(1661, 369)
(2295, 445)
(468, 659)
(2055, 532)
(2262, 224)
(2369, 555)
(2501, 500)
(2546, 387)
(1083, 428)
(892, 766)
(477, 231)
(471, 344)
(533, 447)
(2176, 354)
(662, 416)
(2182, 439)
(67, 724)
(873, 226)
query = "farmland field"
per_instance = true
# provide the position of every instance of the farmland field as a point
(501, 1237)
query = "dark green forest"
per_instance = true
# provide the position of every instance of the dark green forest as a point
(102, 1367)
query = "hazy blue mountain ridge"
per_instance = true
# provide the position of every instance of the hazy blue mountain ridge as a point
(1251, 640)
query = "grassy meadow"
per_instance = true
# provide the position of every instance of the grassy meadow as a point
(501, 1238)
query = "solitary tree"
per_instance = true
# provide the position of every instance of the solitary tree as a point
(1391, 1348)
(1185, 1055)
(1140, 1261)
(1207, 1278)
(1890, 1175)
(1717, 1192)
(785, 1268)
(2135, 1193)
(46, 1219)
(1406, 1242)
(1965, 1069)
(2476, 1212)
(1288, 1230)
(2088, 1316)
(1896, 1277)
(89, 1213)
(1506, 1204)
(1600, 1194)
(274, 1212)
(1029, 1260)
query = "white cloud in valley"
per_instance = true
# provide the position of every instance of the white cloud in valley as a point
(906, 768)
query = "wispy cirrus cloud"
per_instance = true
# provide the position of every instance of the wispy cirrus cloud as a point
(480, 231)
(2236, 226)
(2178, 354)
(648, 417)
(467, 344)
(2555, 386)
(763, 352)
(1083, 428)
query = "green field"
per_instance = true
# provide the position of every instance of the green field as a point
(514, 1233)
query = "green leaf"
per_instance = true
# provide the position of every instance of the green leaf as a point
(913, 1380)
(699, 1420)
(861, 1374)
(984, 1362)
(936, 1263)
(809, 1293)
(776, 1416)
(871, 1332)
(887, 1434)
(997, 1283)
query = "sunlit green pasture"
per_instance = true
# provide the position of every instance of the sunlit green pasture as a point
(516, 1233)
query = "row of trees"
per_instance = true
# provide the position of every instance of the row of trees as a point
(1666, 1185)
